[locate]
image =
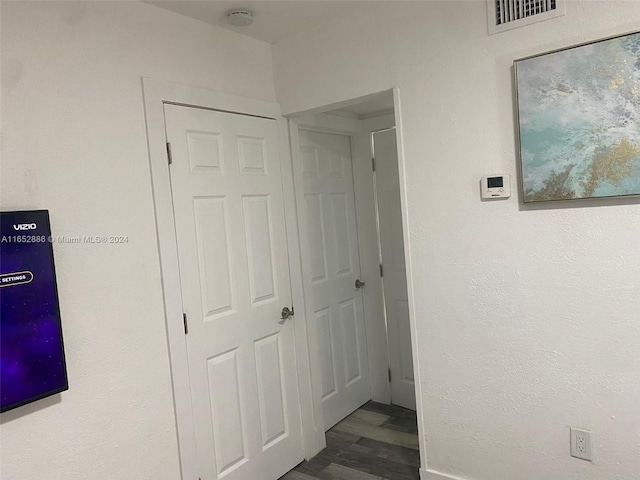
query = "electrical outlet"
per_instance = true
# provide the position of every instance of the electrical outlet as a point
(581, 444)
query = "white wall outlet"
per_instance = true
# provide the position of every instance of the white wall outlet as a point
(581, 444)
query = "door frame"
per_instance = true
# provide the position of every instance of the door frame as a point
(156, 94)
(313, 119)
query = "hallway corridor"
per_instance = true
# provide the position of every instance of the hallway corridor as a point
(376, 442)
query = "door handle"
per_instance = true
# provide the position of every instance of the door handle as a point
(286, 313)
(359, 284)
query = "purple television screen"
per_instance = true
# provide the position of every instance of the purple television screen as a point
(32, 364)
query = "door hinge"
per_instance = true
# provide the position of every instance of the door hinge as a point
(184, 322)
(381, 272)
(169, 157)
(373, 164)
(389, 375)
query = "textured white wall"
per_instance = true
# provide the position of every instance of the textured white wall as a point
(527, 319)
(74, 142)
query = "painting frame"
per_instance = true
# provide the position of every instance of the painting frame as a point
(604, 168)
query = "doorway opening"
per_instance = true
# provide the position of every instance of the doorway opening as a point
(260, 375)
(348, 190)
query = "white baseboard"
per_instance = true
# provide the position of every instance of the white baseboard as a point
(433, 475)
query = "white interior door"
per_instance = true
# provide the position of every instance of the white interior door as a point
(335, 267)
(394, 271)
(230, 227)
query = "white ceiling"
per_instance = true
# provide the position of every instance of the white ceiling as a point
(273, 19)
(370, 106)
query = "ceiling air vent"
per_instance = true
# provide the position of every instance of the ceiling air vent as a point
(507, 14)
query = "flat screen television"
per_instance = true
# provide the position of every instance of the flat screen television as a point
(32, 363)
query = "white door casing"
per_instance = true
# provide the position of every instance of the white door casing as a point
(232, 247)
(156, 94)
(334, 267)
(388, 199)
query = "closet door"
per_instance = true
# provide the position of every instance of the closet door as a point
(234, 274)
(335, 267)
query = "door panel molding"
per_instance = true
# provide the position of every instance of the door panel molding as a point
(333, 239)
(370, 255)
(156, 94)
(387, 187)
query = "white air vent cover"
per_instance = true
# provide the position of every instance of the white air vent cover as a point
(507, 14)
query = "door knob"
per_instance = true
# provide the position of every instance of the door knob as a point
(359, 284)
(286, 313)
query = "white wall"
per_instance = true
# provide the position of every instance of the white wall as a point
(527, 320)
(74, 142)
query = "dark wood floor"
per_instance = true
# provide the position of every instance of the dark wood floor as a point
(375, 442)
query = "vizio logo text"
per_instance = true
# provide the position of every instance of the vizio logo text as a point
(25, 226)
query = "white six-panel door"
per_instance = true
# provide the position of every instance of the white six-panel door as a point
(394, 269)
(229, 217)
(335, 266)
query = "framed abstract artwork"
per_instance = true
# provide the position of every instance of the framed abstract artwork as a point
(579, 121)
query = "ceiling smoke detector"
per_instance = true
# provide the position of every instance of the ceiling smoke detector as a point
(240, 17)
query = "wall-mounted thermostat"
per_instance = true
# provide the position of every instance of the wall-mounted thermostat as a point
(496, 186)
